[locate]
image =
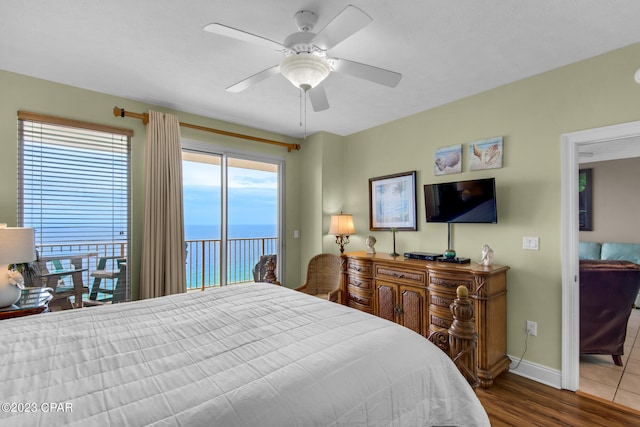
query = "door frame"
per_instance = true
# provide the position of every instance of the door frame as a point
(223, 151)
(571, 144)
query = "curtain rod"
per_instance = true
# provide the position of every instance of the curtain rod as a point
(145, 119)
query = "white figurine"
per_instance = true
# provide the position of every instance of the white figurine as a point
(487, 255)
(370, 242)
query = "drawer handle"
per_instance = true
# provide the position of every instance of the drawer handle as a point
(356, 299)
(398, 275)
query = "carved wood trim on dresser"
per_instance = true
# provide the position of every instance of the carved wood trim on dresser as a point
(418, 294)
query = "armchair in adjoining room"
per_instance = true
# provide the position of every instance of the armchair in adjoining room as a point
(608, 289)
(324, 274)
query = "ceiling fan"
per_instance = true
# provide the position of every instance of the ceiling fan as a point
(305, 63)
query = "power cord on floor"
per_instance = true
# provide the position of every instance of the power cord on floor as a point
(526, 339)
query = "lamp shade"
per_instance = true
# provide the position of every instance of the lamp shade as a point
(17, 245)
(342, 225)
(305, 70)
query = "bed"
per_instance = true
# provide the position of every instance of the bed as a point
(244, 355)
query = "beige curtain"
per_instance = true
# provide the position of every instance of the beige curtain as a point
(163, 254)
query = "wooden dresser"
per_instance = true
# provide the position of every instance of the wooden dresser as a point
(417, 294)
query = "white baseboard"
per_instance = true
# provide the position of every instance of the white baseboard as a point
(539, 373)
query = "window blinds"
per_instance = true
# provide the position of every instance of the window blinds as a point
(73, 181)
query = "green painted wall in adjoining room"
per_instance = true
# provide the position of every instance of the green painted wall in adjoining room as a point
(40, 96)
(530, 115)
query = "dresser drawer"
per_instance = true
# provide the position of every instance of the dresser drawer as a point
(359, 301)
(407, 276)
(440, 322)
(449, 283)
(360, 282)
(364, 268)
(361, 307)
(440, 316)
(443, 301)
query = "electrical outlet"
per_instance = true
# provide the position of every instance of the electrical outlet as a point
(532, 328)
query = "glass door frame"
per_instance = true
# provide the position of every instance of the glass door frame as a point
(225, 153)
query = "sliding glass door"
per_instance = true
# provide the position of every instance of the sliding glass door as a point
(231, 210)
(252, 216)
(202, 195)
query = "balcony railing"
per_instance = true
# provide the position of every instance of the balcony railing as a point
(202, 258)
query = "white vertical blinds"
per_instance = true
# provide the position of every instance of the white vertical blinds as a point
(73, 182)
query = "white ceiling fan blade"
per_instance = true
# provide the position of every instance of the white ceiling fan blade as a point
(250, 81)
(367, 72)
(234, 33)
(348, 22)
(318, 98)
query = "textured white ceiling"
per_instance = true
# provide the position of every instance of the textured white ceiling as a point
(156, 51)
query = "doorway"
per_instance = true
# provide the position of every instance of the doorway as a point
(612, 142)
(232, 210)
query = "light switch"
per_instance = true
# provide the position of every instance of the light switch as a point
(530, 243)
(296, 234)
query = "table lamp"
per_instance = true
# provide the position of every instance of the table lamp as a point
(342, 226)
(17, 245)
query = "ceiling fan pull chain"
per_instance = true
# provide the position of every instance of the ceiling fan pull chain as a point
(300, 99)
(305, 115)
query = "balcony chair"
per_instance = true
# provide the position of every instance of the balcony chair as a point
(324, 274)
(117, 273)
(62, 291)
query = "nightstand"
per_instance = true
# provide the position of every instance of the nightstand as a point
(15, 311)
(34, 300)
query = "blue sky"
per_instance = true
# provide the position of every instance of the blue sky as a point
(252, 195)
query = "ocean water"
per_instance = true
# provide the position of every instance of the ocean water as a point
(203, 261)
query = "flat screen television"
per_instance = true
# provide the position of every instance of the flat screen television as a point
(471, 201)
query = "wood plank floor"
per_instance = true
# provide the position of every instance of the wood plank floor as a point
(517, 401)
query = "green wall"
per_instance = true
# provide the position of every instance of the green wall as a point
(29, 94)
(531, 115)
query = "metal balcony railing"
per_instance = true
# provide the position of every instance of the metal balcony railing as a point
(202, 258)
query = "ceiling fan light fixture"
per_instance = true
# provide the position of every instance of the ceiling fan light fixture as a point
(305, 70)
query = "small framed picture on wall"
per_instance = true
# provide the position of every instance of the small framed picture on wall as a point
(448, 160)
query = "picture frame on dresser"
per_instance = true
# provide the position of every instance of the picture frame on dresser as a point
(392, 202)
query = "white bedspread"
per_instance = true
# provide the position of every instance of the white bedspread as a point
(243, 355)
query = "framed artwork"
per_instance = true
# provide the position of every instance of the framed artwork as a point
(485, 154)
(448, 160)
(392, 202)
(585, 209)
